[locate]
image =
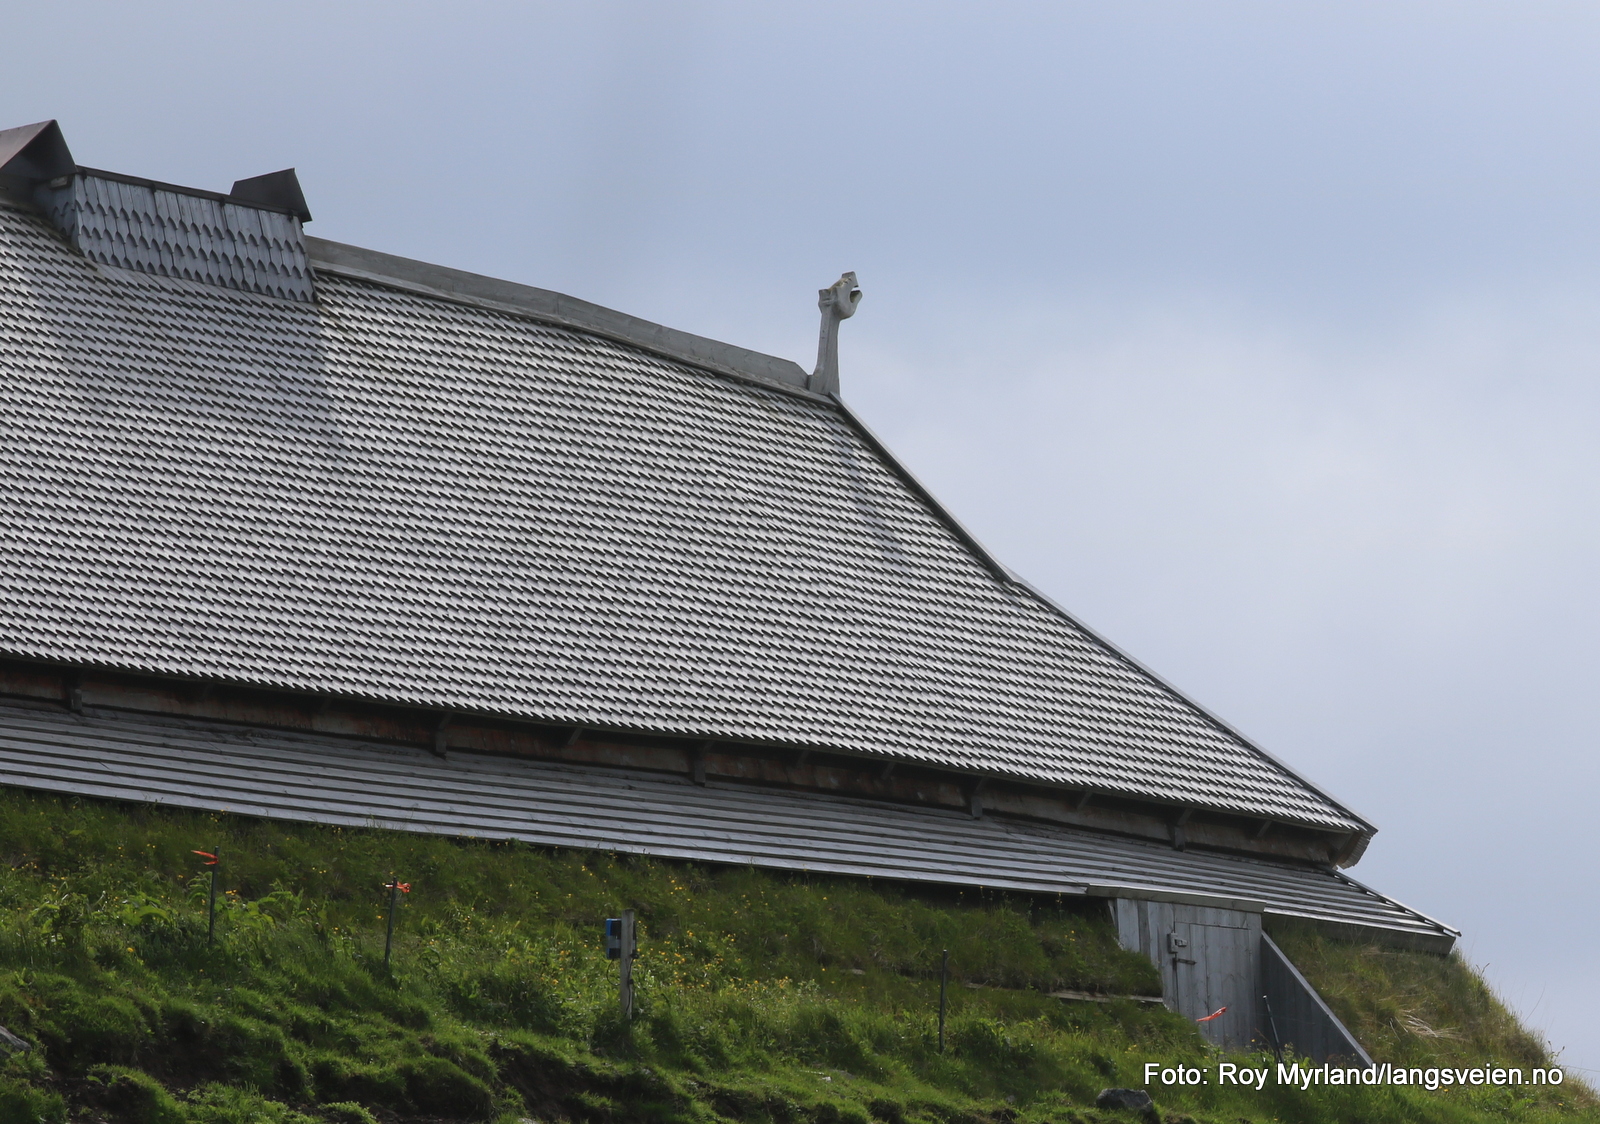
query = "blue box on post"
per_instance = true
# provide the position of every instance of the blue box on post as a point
(613, 938)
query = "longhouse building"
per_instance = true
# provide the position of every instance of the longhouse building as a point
(294, 529)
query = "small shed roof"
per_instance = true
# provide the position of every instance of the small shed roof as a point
(343, 781)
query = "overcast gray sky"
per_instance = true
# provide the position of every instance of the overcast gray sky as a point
(1263, 336)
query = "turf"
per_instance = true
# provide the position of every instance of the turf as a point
(1410, 1008)
(760, 996)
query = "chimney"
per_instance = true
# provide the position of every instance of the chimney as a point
(250, 239)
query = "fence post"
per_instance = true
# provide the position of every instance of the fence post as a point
(395, 888)
(1272, 1027)
(211, 899)
(944, 984)
(388, 932)
(625, 966)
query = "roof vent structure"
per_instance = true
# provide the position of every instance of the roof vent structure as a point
(249, 240)
(278, 191)
(32, 154)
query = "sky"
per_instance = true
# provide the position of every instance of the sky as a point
(1264, 337)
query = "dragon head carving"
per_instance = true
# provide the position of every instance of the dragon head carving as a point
(841, 297)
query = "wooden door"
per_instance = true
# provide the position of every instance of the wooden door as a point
(1209, 959)
(1215, 965)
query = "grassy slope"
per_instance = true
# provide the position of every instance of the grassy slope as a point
(1410, 1008)
(760, 997)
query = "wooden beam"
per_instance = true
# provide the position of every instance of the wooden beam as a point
(697, 762)
(837, 773)
(1180, 838)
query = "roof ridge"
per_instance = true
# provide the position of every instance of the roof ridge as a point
(481, 291)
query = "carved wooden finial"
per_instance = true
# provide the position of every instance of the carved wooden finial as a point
(838, 302)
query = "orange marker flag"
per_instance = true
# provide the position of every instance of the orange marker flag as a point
(1212, 1015)
(206, 855)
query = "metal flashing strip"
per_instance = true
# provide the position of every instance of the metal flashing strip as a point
(1367, 828)
(338, 782)
(1001, 572)
(558, 309)
(192, 192)
(1135, 892)
(1364, 888)
(1006, 576)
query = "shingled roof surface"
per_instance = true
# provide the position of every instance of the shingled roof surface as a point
(405, 499)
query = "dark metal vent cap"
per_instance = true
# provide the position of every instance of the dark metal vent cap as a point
(278, 190)
(36, 152)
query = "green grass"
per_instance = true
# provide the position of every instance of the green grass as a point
(761, 997)
(1411, 1007)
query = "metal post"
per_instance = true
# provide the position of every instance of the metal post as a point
(1272, 1028)
(625, 967)
(211, 899)
(388, 933)
(944, 986)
